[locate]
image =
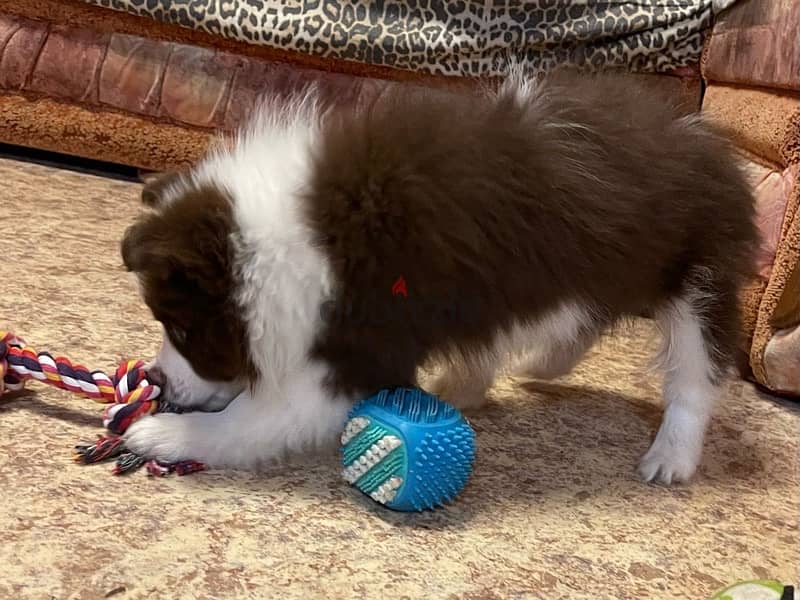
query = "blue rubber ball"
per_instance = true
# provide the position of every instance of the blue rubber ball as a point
(407, 449)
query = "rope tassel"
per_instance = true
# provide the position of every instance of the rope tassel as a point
(129, 394)
(104, 448)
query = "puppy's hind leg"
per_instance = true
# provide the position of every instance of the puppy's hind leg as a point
(556, 360)
(698, 329)
(466, 380)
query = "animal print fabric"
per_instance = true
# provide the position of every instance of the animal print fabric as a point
(457, 37)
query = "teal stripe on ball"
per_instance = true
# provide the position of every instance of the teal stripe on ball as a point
(359, 444)
(391, 466)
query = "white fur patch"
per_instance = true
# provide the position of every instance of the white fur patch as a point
(689, 395)
(546, 348)
(256, 428)
(284, 277)
(185, 388)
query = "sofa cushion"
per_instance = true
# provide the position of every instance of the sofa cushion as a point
(167, 81)
(763, 122)
(765, 125)
(756, 42)
(469, 38)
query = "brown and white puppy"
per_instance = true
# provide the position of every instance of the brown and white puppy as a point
(323, 255)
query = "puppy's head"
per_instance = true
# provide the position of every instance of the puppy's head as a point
(183, 255)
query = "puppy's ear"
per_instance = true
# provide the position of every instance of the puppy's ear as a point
(155, 185)
(180, 244)
(133, 247)
(142, 248)
(154, 259)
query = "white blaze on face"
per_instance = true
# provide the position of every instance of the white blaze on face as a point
(185, 387)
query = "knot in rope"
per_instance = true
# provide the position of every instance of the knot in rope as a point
(8, 380)
(134, 397)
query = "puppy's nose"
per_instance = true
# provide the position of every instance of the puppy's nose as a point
(156, 376)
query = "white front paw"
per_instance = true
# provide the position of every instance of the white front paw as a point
(668, 462)
(678, 447)
(162, 437)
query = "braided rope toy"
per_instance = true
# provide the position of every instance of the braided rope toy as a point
(403, 448)
(128, 393)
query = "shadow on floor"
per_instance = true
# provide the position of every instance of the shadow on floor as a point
(549, 444)
(30, 401)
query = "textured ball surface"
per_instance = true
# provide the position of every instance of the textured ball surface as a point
(407, 449)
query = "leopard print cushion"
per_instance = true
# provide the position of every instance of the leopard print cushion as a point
(457, 37)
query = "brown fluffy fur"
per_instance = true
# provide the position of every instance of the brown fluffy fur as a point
(550, 213)
(599, 193)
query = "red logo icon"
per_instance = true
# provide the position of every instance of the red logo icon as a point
(399, 287)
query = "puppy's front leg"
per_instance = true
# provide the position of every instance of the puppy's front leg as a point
(259, 425)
